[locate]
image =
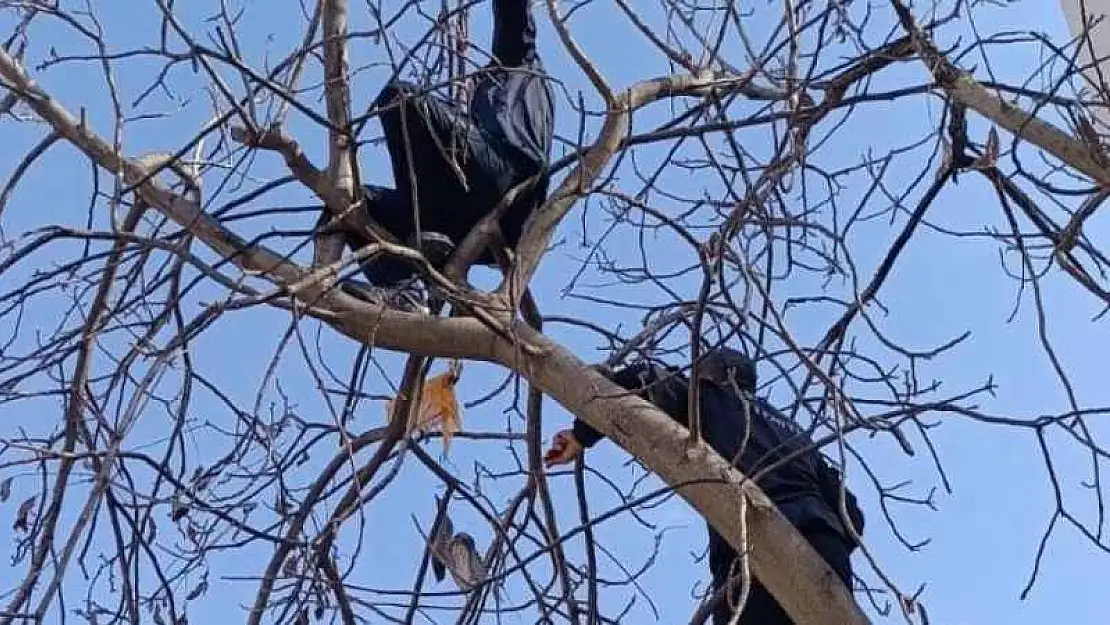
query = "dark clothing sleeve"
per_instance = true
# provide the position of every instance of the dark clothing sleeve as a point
(585, 434)
(514, 32)
(662, 386)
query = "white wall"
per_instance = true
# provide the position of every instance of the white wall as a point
(1077, 13)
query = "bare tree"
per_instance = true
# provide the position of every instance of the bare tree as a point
(192, 413)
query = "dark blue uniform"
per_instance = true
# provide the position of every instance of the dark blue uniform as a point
(452, 166)
(752, 434)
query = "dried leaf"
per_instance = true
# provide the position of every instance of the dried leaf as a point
(1091, 138)
(23, 515)
(464, 563)
(178, 507)
(710, 248)
(439, 567)
(946, 158)
(443, 529)
(439, 408)
(1088, 133)
(281, 504)
(990, 150)
(289, 569)
(5, 490)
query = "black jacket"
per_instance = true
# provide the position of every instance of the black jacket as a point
(805, 489)
(512, 97)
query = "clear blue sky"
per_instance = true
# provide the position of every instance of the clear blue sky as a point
(982, 537)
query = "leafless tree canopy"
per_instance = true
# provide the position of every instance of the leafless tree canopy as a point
(193, 420)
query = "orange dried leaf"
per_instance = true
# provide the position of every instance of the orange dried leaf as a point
(438, 404)
(439, 408)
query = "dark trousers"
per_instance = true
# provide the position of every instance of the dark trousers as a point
(449, 173)
(761, 607)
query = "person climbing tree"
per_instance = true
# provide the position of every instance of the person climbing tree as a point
(453, 165)
(759, 441)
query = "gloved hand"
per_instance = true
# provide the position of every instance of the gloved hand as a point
(565, 448)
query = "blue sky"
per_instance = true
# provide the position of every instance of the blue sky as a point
(982, 537)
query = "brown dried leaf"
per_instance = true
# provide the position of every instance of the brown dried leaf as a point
(443, 529)
(991, 150)
(178, 507)
(439, 408)
(281, 504)
(464, 563)
(946, 158)
(23, 515)
(1088, 133)
(1091, 138)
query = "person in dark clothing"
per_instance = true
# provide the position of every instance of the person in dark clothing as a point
(452, 166)
(753, 435)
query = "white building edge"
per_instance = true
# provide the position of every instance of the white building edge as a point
(1096, 13)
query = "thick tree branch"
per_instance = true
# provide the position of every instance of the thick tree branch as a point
(966, 90)
(277, 140)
